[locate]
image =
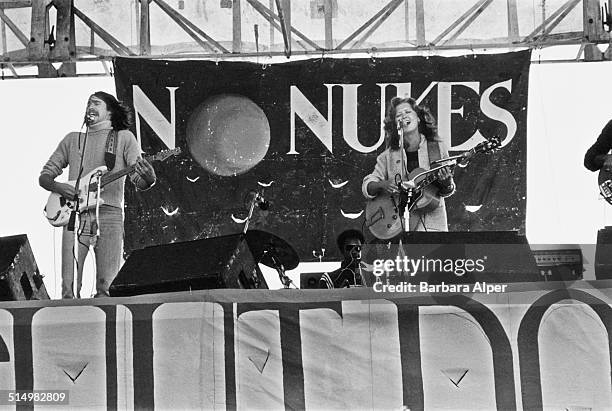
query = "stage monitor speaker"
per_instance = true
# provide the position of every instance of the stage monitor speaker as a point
(218, 262)
(603, 254)
(19, 275)
(469, 257)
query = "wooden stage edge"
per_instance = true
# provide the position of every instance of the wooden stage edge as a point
(309, 295)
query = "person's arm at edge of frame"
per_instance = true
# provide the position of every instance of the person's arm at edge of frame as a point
(597, 155)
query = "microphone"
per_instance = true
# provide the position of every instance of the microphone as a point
(264, 205)
(261, 201)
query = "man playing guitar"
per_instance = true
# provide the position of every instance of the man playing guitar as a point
(412, 143)
(107, 141)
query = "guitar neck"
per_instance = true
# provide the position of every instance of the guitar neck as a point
(109, 178)
(432, 176)
(481, 148)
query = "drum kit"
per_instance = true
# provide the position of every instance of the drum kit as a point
(269, 249)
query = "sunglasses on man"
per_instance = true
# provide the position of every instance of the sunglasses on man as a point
(352, 247)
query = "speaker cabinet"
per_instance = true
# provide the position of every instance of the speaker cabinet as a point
(603, 254)
(218, 262)
(464, 257)
(19, 275)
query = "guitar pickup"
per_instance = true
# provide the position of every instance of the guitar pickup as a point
(606, 188)
(376, 217)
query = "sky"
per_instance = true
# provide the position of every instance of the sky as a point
(567, 108)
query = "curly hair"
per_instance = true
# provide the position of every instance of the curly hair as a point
(427, 122)
(121, 114)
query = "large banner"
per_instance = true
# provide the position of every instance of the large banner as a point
(531, 347)
(304, 134)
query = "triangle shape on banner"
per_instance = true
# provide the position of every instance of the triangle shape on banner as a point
(259, 359)
(73, 370)
(455, 375)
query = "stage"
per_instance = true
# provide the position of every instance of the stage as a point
(255, 132)
(543, 345)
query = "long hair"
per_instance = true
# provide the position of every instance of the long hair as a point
(427, 122)
(121, 114)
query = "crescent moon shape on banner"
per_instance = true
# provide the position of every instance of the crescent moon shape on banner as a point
(352, 216)
(472, 208)
(168, 212)
(265, 184)
(238, 220)
(338, 185)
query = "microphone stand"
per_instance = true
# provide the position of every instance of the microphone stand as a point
(280, 269)
(404, 216)
(98, 177)
(71, 221)
(257, 198)
(248, 219)
(73, 217)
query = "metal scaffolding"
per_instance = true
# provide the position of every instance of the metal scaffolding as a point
(64, 34)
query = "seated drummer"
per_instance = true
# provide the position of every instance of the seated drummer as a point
(349, 274)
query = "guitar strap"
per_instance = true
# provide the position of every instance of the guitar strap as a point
(433, 150)
(111, 149)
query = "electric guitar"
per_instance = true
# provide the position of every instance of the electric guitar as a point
(604, 180)
(383, 212)
(58, 208)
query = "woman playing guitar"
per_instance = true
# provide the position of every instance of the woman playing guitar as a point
(412, 146)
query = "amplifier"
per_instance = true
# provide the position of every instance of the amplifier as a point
(19, 275)
(218, 262)
(603, 254)
(560, 265)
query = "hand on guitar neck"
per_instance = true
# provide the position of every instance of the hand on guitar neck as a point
(445, 177)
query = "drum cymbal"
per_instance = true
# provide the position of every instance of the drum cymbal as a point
(266, 245)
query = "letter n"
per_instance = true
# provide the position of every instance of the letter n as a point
(321, 127)
(144, 107)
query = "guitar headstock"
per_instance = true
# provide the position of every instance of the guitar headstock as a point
(164, 154)
(486, 146)
(490, 145)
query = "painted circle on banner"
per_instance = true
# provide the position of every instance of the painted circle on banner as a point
(228, 134)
